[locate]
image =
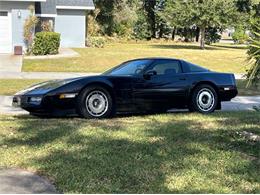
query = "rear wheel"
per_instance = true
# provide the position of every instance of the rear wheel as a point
(95, 102)
(204, 99)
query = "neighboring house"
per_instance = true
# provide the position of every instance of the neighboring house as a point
(227, 33)
(68, 18)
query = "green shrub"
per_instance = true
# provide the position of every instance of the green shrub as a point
(212, 36)
(46, 43)
(239, 36)
(141, 28)
(256, 108)
(98, 42)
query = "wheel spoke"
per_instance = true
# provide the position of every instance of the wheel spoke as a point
(97, 103)
(205, 99)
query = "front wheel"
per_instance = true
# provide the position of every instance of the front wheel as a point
(204, 99)
(95, 102)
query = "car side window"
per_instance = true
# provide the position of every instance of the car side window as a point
(167, 67)
(194, 68)
(130, 68)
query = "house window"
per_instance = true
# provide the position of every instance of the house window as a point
(3, 13)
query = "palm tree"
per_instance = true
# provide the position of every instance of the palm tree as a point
(253, 74)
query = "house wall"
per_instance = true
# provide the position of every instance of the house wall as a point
(71, 24)
(17, 23)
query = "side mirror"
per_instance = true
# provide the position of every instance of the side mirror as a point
(149, 74)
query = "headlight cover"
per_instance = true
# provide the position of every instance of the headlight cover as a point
(36, 99)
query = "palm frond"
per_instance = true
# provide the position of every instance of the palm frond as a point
(253, 74)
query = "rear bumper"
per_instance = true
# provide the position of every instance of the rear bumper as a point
(226, 93)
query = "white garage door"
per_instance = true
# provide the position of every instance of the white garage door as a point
(5, 32)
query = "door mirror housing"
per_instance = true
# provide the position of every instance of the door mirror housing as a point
(149, 74)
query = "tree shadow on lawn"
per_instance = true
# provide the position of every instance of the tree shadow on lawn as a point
(192, 47)
(114, 156)
(241, 47)
(197, 47)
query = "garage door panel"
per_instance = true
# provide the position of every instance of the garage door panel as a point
(66, 22)
(5, 32)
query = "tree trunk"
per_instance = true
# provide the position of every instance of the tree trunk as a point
(197, 34)
(186, 35)
(153, 25)
(173, 33)
(161, 31)
(150, 7)
(202, 37)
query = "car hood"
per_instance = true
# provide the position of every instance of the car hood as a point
(45, 87)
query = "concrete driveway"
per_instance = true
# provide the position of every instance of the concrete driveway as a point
(240, 103)
(17, 181)
(6, 106)
(10, 63)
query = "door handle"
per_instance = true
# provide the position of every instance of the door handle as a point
(182, 79)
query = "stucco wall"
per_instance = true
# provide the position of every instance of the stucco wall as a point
(71, 24)
(17, 23)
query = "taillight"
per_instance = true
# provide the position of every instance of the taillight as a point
(233, 79)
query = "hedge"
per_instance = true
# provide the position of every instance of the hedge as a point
(46, 43)
(98, 42)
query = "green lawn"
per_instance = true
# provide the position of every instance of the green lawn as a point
(170, 153)
(226, 58)
(11, 86)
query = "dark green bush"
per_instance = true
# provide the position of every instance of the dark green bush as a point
(46, 43)
(212, 36)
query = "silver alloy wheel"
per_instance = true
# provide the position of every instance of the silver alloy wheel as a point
(97, 103)
(205, 99)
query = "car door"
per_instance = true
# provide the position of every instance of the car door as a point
(166, 88)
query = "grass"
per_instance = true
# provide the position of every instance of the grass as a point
(170, 153)
(11, 86)
(225, 58)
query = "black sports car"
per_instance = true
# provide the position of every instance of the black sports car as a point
(141, 85)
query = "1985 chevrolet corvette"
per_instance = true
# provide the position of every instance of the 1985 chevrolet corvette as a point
(136, 86)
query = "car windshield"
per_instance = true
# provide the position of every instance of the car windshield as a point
(129, 68)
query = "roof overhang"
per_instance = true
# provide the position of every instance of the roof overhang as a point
(46, 15)
(26, 0)
(75, 7)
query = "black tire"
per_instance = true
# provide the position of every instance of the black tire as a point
(191, 108)
(87, 109)
(204, 99)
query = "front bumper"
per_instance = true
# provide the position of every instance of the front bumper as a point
(49, 105)
(24, 101)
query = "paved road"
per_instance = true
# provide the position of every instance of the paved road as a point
(43, 75)
(17, 181)
(241, 103)
(237, 104)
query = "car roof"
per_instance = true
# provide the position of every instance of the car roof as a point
(154, 58)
